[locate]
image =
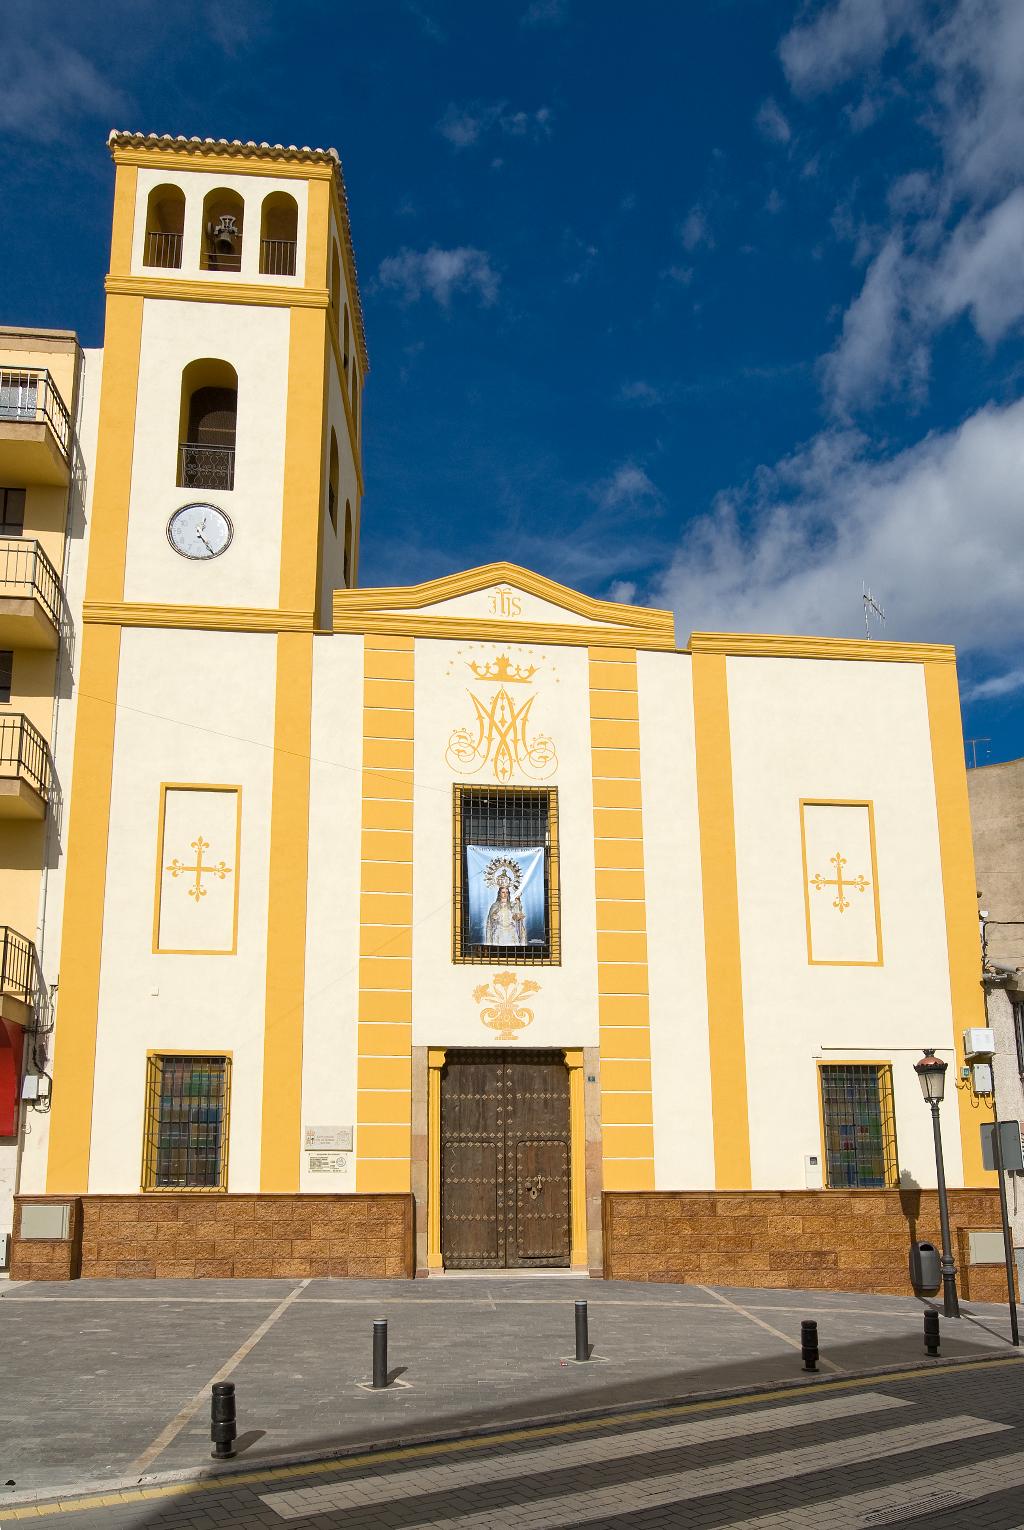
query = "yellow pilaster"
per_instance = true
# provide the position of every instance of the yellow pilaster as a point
(959, 895)
(730, 1122)
(384, 1110)
(435, 1062)
(578, 1158)
(280, 1141)
(622, 987)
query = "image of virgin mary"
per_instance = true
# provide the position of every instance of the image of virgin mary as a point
(506, 923)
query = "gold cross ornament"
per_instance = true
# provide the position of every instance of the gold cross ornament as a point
(178, 868)
(839, 882)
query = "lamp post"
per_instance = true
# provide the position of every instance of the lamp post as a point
(931, 1071)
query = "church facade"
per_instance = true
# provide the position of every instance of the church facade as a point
(406, 929)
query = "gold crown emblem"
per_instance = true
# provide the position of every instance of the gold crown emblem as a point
(503, 670)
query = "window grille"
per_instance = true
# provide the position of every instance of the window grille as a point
(506, 818)
(860, 1126)
(186, 1143)
(1018, 1031)
(6, 673)
(12, 512)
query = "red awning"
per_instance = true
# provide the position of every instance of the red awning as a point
(12, 1046)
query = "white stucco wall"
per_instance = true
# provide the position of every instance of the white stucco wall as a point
(196, 184)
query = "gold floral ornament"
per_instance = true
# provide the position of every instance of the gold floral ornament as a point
(839, 882)
(504, 1012)
(178, 868)
(501, 733)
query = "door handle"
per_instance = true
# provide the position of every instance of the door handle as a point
(533, 1186)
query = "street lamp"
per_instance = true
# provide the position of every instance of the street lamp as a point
(931, 1071)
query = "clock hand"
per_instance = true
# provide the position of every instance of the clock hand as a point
(199, 534)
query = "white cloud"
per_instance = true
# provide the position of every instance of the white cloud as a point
(546, 13)
(48, 85)
(639, 392)
(694, 230)
(681, 275)
(772, 123)
(843, 38)
(627, 488)
(440, 274)
(935, 531)
(1007, 684)
(624, 591)
(464, 126)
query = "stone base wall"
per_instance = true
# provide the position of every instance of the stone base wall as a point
(829, 1240)
(196, 1236)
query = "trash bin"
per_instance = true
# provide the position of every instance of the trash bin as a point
(925, 1268)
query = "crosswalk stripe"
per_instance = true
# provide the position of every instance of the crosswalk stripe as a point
(577, 1508)
(298, 1504)
(902, 1500)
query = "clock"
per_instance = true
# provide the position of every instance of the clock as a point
(200, 531)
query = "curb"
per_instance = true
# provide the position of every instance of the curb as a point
(206, 1475)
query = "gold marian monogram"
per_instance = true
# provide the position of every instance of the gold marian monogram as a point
(502, 733)
(504, 1012)
(178, 868)
(839, 882)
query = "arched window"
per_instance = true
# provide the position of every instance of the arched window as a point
(355, 402)
(336, 286)
(347, 558)
(165, 225)
(279, 232)
(333, 473)
(223, 216)
(207, 426)
(345, 341)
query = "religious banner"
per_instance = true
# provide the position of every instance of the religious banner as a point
(844, 926)
(507, 905)
(197, 870)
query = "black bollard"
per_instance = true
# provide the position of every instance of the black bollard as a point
(582, 1337)
(809, 1344)
(380, 1354)
(223, 1430)
(931, 1332)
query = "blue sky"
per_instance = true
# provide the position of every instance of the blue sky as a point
(714, 305)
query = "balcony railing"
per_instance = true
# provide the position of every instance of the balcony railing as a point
(163, 250)
(31, 394)
(26, 571)
(25, 754)
(19, 966)
(277, 257)
(206, 467)
(223, 261)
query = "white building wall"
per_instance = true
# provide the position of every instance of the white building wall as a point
(196, 184)
(680, 1061)
(330, 1035)
(255, 342)
(444, 1010)
(834, 730)
(192, 707)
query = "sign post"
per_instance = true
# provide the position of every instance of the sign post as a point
(1001, 1149)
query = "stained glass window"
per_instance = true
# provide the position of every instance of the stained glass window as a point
(186, 1123)
(860, 1126)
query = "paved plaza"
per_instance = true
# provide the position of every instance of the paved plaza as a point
(113, 1377)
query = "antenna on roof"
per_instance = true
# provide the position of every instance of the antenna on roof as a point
(871, 609)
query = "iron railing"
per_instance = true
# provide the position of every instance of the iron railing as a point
(25, 754)
(30, 394)
(19, 966)
(218, 260)
(163, 250)
(205, 467)
(277, 257)
(26, 570)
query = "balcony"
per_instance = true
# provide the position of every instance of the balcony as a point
(20, 983)
(163, 251)
(30, 596)
(35, 428)
(205, 467)
(277, 257)
(26, 769)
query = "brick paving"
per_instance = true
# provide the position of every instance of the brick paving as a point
(114, 1369)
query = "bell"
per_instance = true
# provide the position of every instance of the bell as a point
(223, 234)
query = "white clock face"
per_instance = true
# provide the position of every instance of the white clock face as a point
(199, 531)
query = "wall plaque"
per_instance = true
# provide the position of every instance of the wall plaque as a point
(327, 1138)
(327, 1163)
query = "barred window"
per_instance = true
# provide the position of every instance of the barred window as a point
(506, 886)
(860, 1126)
(186, 1144)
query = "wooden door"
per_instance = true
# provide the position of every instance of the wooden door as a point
(505, 1155)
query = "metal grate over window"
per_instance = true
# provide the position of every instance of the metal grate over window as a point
(186, 1145)
(860, 1126)
(505, 876)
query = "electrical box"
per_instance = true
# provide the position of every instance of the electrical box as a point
(812, 1171)
(981, 1077)
(1010, 1146)
(5, 1250)
(35, 1086)
(979, 1042)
